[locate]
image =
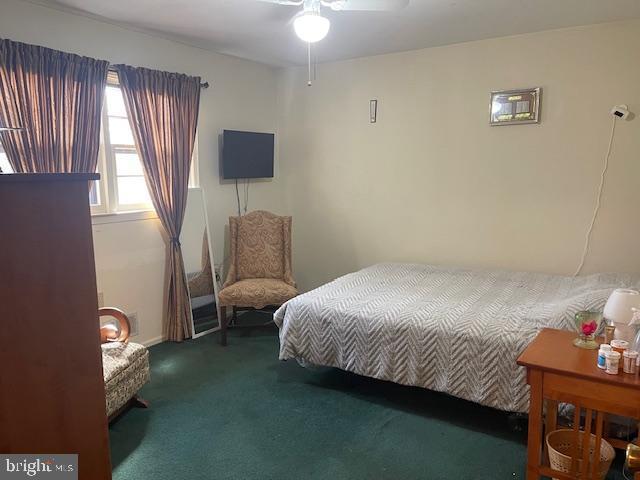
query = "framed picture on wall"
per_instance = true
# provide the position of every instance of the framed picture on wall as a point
(513, 107)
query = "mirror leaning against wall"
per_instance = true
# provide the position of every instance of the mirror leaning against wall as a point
(197, 252)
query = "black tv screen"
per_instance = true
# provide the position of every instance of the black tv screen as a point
(247, 154)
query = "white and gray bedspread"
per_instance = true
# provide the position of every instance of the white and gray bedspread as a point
(453, 330)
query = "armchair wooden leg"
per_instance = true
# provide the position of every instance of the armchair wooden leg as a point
(234, 315)
(223, 326)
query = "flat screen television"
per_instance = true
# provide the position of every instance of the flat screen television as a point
(247, 154)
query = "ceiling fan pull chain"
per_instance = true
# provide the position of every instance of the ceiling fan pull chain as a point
(315, 66)
(309, 82)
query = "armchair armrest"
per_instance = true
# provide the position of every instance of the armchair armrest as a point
(109, 333)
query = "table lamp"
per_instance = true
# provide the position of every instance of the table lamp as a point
(618, 311)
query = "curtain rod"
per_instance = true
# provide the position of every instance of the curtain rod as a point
(202, 84)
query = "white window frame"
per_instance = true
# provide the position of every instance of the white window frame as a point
(101, 209)
(109, 187)
(194, 172)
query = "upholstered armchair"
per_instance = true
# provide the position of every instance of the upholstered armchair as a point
(260, 265)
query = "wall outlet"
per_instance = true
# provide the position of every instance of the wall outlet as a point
(133, 321)
(100, 299)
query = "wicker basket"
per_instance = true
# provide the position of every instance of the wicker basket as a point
(560, 443)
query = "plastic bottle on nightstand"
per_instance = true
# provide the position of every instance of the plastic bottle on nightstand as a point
(635, 322)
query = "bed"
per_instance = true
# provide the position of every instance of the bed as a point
(452, 330)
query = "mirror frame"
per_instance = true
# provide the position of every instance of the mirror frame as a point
(194, 335)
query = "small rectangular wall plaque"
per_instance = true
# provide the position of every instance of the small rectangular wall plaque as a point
(512, 107)
(373, 111)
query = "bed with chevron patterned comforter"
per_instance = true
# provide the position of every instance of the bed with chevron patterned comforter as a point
(453, 330)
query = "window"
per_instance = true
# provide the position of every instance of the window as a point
(5, 166)
(122, 187)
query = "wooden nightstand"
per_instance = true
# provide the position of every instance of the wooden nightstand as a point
(559, 372)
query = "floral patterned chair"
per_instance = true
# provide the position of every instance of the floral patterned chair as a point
(260, 267)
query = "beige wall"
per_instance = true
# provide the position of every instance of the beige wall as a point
(130, 256)
(432, 182)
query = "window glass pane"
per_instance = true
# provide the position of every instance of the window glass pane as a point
(120, 131)
(123, 174)
(132, 191)
(115, 102)
(94, 194)
(128, 164)
(4, 162)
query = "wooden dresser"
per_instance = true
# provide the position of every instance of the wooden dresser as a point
(51, 384)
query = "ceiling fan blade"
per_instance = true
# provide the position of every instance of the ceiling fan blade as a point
(296, 3)
(368, 5)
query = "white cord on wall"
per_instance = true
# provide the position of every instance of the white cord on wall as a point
(587, 239)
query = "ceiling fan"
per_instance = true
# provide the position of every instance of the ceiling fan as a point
(311, 26)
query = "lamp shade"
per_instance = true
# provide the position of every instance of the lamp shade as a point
(619, 311)
(311, 27)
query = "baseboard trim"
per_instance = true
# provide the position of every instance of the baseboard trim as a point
(153, 341)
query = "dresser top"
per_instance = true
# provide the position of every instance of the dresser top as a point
(48, 177)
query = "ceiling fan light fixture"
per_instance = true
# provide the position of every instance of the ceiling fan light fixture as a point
(311, 26)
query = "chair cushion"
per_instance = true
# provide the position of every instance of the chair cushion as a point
(125, 367)
(256, 293)
(260, 247)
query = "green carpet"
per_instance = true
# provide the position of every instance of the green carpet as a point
(239, 413)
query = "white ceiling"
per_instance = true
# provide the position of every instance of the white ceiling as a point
(262, 32)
